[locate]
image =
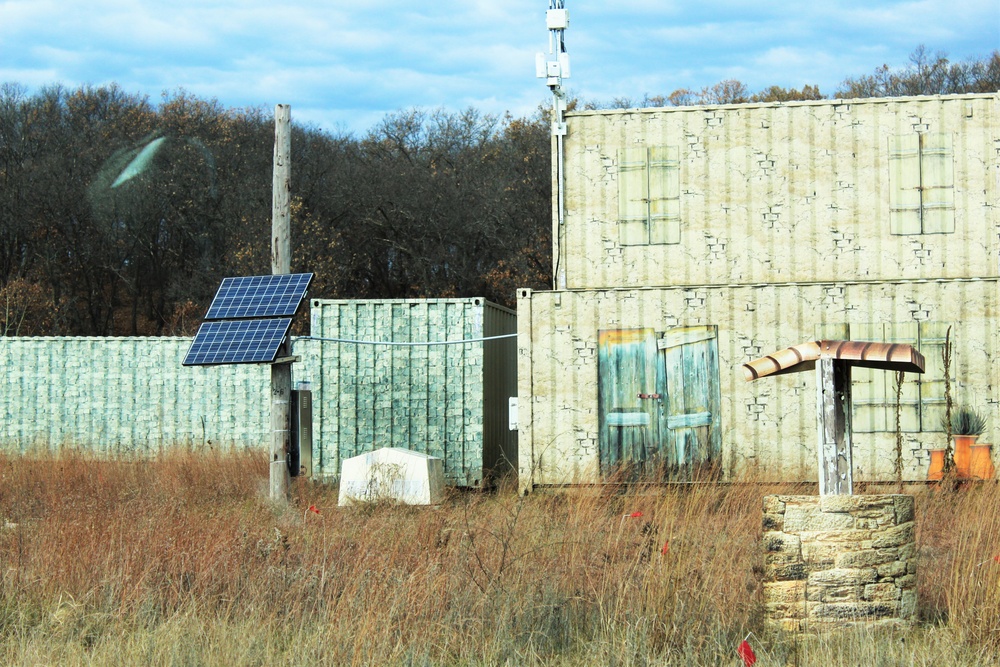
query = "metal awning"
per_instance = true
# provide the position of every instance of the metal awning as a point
(833, 360)
(802, 357)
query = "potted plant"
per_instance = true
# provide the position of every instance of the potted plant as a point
(966, 426)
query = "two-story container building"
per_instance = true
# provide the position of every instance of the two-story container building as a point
(692, 240)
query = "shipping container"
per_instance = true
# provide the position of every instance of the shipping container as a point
(692, 240)
(873, 189)
(654, 376)
(396, 373)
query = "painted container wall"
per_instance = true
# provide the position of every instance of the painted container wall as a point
(449, 401)
(655, 374)
(879, 189)
(126, 395)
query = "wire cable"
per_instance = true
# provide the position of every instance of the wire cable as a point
(351, 341)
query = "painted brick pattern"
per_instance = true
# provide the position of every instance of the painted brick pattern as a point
(835, 560)
(765, 423)
(794, 192)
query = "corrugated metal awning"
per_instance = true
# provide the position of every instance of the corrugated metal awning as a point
(887, 356)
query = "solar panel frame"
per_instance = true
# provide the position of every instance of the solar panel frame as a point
(237, 342)
(249, 297)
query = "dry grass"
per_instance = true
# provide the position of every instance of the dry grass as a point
(183, 561)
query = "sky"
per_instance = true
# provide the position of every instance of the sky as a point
(343, 65)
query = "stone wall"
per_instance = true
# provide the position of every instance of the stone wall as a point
(837, 560)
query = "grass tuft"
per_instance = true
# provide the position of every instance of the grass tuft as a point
(180, 559)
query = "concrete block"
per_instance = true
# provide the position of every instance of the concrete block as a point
(852, 539)
(392, 474)
(776, 542)
(856, 505)
(774, 505)
(908, 604)
(819, 554)
(835, 593)
(786, 571)
(904, 509)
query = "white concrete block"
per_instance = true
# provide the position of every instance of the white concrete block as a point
(392, 473)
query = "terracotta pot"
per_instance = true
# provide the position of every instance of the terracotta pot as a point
(980, 462)
(963, 454)
(936, 470)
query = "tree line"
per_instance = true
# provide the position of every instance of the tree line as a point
(926, 74)
(119, 216)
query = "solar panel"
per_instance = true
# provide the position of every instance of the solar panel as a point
(237, 342)
(259, 296)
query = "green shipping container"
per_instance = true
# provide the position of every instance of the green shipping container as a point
(391, 373)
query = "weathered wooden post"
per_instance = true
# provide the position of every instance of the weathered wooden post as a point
(281, 251)
(836, 458)
(838, 558)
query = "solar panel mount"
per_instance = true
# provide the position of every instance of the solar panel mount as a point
(248, 320)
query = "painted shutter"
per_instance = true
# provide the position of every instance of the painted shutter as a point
(633, 196)
(664, 195)
(932, 399)
(868, 386)
(909, 412)
(874, 390)
(937, 184)
(904, 184)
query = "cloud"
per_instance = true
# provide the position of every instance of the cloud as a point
(362, 59)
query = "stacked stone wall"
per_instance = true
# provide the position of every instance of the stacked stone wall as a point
(838, 560)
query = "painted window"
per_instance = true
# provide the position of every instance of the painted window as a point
(922, 401)
(649, 195)
(921, 184)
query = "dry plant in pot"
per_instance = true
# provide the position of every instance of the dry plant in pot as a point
(967, 425)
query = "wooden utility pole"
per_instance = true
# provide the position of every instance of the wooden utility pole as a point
(281, 263)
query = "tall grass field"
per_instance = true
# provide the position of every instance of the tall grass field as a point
(182, 560)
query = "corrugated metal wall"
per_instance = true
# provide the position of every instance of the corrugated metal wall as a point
(126, 394)
(770, 423)
(796, 192)
(132, 394)
(444, 400)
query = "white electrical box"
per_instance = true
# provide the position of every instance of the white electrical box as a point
(557, 19)
(564, 65)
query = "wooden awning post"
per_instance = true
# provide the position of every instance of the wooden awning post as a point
(833, 402)
(833, 360)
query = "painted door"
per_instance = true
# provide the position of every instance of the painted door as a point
(658, 398)
(694, 428)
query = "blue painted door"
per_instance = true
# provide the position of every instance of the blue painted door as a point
(658, 399)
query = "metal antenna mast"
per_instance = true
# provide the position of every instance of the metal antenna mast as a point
(554, 68)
